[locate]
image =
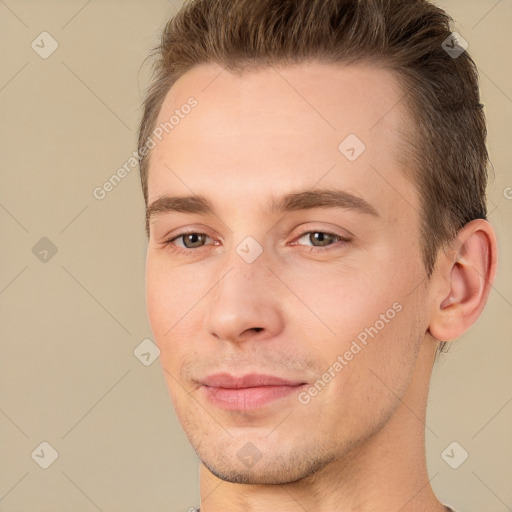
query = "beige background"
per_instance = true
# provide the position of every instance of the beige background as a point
(70, 325)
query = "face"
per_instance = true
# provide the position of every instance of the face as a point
(289, 306)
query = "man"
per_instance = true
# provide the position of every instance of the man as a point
(314, 174)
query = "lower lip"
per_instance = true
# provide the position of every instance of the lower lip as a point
(243, 399)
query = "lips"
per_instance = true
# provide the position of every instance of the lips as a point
(225, 380)
(247, 392)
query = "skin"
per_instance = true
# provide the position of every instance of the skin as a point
(359, 444)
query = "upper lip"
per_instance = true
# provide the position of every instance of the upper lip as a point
(253, 380)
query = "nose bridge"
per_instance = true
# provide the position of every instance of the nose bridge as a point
(241, 298)
(243, 273)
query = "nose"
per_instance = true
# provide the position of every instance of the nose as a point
(245, 303)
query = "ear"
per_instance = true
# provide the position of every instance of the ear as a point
(465, 274)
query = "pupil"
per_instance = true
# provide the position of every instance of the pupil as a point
(320, 237)
(193, 236)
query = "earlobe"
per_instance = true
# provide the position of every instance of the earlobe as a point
(470, 268)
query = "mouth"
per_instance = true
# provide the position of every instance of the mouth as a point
(248, 392)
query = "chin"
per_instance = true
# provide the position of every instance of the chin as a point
(277, 471)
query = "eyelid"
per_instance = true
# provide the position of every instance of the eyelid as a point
(342, 240)
(169, 240)
(177, 233)
(313, 227)
(330, 233)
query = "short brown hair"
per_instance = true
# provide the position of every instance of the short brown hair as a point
(447, 155)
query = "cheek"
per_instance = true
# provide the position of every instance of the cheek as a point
(165, 304)
(370, 321)
(376, 378)
(389, 351)
(170, 295)
(160, 301)
(175, 305)
(340, 302)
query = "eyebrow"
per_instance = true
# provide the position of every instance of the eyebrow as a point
(302, 200)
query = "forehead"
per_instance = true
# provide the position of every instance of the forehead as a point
(282, 127)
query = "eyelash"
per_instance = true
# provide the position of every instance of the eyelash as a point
(179, 250)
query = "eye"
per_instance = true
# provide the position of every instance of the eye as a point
(320, 239)
(189, 241)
